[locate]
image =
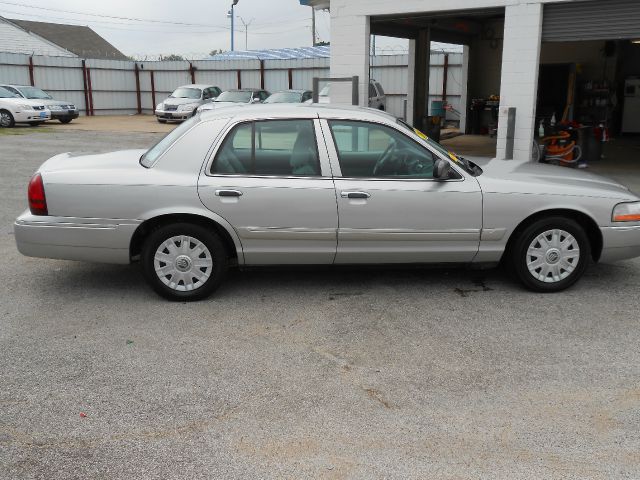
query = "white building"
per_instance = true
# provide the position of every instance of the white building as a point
(507, 44)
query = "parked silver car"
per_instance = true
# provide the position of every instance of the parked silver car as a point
(313, 184)
(234, 97)
(61, 110)
(184, 101)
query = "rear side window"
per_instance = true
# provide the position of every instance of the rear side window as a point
(271, 147)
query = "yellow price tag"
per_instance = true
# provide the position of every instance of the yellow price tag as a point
(453, 157)
(420, 134)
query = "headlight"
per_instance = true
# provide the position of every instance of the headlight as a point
(24, 106)
(54, 107)
(626, 212)
(160, 106)
(187, 108)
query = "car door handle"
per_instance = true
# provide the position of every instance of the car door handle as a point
(228, 193)
(355, 194)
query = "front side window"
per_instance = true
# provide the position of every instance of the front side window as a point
(270, 147)
(374, 150)
(6, 93)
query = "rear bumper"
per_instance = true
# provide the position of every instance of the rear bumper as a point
(86, 239)
(620, 243)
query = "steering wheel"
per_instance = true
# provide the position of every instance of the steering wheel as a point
(384, 158)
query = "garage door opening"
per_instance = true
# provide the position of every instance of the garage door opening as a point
(465, 103)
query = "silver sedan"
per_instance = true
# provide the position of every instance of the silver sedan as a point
(313, 184)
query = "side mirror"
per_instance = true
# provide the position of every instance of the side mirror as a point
(441, 169)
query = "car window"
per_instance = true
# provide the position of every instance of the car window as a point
(13, 90)
(270, 147)
(372, 91)
(374, 150)
(380, 89)
(306, 96)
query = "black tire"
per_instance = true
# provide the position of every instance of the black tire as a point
(6, 119)
(518, 256)
(65, 120)
(35, 124)
(161, 120)
(217, 250)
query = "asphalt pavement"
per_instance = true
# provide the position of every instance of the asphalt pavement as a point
(307, 373)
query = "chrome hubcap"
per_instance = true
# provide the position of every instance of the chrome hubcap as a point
(552, 256)
(183, 263)
(5, 119)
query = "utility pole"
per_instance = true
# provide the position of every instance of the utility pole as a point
(313, 27)
(246, 30)
(231, 14)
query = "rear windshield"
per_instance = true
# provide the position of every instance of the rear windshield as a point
(284, 97)
(236, 97)
(149, 158)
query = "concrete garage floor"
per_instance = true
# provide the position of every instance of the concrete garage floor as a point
(311, 373)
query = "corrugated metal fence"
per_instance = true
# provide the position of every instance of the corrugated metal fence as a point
(107, 87)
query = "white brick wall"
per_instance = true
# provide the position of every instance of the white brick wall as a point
(519, 80)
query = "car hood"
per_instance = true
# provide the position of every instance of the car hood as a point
(66, 163)
(511, 176)
(49, 103)
(180, 101)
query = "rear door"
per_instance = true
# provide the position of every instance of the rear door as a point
(390, 208)
(271, 181)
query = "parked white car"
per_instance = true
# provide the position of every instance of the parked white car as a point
(14, 109)
(61, 110)
(377, 97)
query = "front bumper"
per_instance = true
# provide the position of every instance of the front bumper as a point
(174, 114)
(69, 238)
(620, 242)
(30, 116)
(63, 114)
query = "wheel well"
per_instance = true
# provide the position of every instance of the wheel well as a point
(585, 221)
(145, 228)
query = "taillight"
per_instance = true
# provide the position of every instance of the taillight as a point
(37, 199)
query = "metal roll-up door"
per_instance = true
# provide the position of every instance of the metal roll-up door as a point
(591, 20)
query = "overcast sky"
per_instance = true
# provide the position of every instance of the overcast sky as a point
(191, 28)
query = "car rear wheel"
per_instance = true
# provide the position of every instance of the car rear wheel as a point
(6, 119)
(184, 262)
(551, 254)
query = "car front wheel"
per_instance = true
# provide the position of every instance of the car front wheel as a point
(184, 262)
(551, 254)
(6, 119)
(65, 120)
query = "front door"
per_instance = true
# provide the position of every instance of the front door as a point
(390, 208)
(272, 183)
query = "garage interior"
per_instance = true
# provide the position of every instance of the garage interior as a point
(589, 80)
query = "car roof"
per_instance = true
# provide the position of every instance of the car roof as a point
(298, 110)
(196, 85)
(292, 90)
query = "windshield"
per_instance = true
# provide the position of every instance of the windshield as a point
(35, 93)
(149, 158)
(325, 91)
(467, 165)
(236, 97)
(182, 92)
(4, 93)
(284, 97)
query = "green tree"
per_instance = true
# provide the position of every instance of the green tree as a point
(215, 52)
(173, 56)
